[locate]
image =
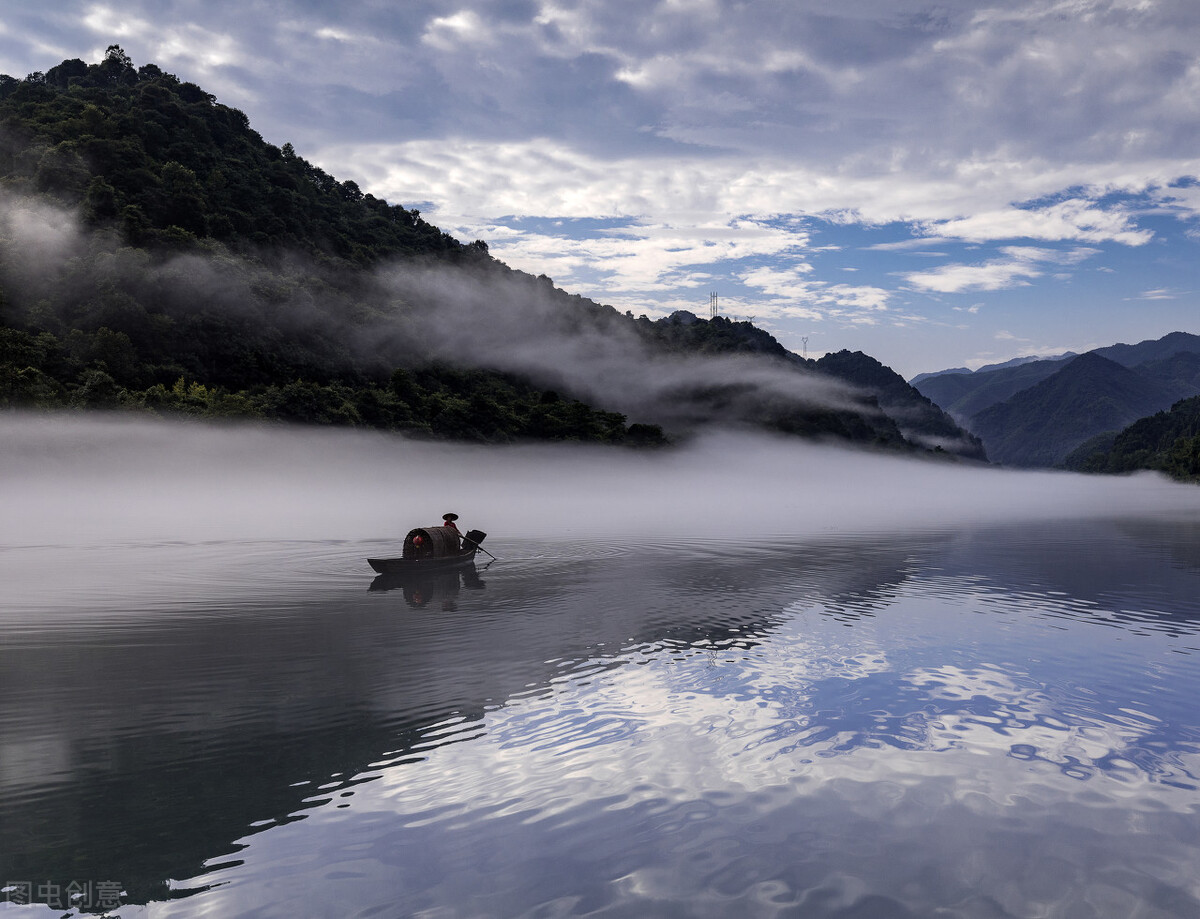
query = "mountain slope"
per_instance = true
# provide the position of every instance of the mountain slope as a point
(917, 417)
(963, 396)
(1041, 425)
(157, 254)
(1166, 441)
(163, 161)
(938, 373)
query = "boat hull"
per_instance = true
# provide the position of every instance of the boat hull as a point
(416, 565)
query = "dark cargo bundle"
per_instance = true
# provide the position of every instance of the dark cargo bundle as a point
(431, 542)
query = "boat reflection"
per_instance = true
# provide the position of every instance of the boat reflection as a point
(423, 589)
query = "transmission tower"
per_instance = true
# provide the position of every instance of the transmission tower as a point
(712, 305)
(804, 341)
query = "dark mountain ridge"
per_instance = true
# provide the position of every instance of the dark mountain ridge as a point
(988, 368)
(964, 395)
(917, 417)
(1151, 349)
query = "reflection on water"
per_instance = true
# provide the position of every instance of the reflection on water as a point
(420, 588)
(986, 722)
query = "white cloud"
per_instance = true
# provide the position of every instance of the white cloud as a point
(1017, 268)
(171, 45)
(994, 275)
(449, 33)
(795, 281)
(1158, 293)
(795, 295)
(474, 180)
(106, 20)
(1075, 220)
(332, 34)
(643, 257)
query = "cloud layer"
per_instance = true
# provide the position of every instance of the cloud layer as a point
(731, 145)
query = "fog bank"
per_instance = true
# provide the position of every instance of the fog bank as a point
(75, 480)
(60, 275)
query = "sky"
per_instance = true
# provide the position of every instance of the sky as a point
(936, 184)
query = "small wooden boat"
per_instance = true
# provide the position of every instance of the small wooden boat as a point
(406, 565)
(431, 549)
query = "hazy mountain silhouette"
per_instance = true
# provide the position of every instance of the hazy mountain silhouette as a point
(964, 395)
(1035, 413)
(1041, 425)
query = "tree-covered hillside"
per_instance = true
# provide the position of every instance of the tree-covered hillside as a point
(166, 163)
(1167, 441)
(157, 254)
(917, 417)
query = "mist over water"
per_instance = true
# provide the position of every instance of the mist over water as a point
(69, 480)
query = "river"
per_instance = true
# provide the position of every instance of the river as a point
(991, 713)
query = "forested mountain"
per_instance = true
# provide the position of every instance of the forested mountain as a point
(1041, 425)
(917, 417)
(166, 163)
(156, 254)
(1166, 441)
(964, 394)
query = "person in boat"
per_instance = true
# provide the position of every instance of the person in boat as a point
(448, 521)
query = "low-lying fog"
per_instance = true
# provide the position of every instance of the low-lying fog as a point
(73, 480)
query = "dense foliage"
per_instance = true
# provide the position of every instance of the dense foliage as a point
(185, 294)
(1167, 441)
(165, 162)
(685, 332)
(43, 372)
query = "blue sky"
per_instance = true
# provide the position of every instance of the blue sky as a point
(937, 184)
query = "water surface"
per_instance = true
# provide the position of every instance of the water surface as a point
(984, 721)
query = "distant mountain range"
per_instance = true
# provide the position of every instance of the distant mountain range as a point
(987, 368)
(1038, 412)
